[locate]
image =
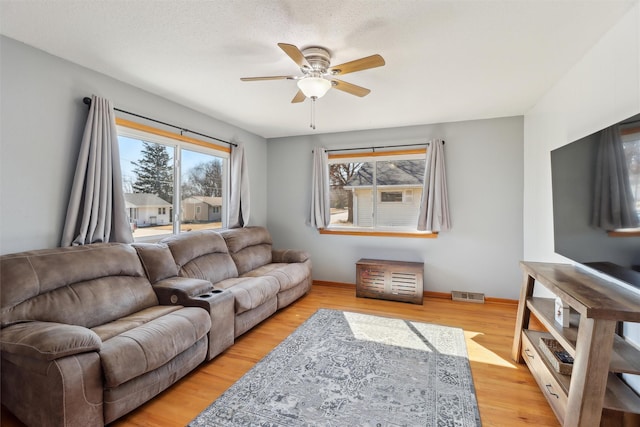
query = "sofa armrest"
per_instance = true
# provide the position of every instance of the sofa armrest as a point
(180, 290)
(48, 340)
(289, 255)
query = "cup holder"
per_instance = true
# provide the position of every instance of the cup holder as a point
(210, 293)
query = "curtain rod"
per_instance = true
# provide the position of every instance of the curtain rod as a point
(87, 101)
(374, 148)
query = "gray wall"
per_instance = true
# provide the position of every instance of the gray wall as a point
(42, 119)
(484, 161)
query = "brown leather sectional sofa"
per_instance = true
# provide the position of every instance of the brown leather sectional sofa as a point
(91, 332)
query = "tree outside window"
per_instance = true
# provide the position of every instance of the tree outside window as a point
(154, 171)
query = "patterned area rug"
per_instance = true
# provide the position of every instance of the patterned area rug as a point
(349, 369)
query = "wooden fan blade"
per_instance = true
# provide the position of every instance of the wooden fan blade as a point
(350, 88)
(299, 97)
(372, 61)
(294, 53)
(254, 79)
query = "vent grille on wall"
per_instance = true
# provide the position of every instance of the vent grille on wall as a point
(373, 280)
(404, 283)
(467, 296)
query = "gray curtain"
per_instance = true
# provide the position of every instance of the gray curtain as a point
(613, 202)
(238, 215)
(434, 206)
(96, 211)
(319, 212)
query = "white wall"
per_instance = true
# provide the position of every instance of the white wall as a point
(42, 118)
(602, 89)
(484, 171)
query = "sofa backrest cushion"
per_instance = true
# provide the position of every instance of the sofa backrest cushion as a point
(250, 247)
(157, 261)
(80, 285)
(201, 255)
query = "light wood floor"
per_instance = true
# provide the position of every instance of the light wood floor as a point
(507, 393)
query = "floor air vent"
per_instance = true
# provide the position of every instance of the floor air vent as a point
(467, 296)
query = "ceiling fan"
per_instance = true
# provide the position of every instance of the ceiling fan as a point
(318, 74)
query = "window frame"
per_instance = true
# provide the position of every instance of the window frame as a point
(628, 134)
(134, 130)
(379, 231)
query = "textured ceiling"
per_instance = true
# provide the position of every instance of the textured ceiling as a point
(445, 60)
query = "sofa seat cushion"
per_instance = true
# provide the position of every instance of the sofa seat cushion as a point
(288, 275)
(250, 292)
(152, 344)
(111, 329)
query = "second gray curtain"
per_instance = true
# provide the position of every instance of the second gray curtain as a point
(96, 211)
(238, 212)
(613, 202)
(434, 206)
(319, 210)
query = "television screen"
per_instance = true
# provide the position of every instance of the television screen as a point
(596, 200)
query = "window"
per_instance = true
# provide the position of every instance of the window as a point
(631, 147)
(376, 191)
(171, 183)
(404, 196)
(391, 196)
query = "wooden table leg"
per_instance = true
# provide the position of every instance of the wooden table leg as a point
(522, 317)
(590, 372)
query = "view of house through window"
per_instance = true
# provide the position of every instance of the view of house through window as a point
(170, 186)
(376, 192)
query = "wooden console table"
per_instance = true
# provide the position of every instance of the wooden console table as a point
(593, 394)
(390, 280)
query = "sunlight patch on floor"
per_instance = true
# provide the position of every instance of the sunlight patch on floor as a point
(417, 336)
(384, 330)
(479, 353)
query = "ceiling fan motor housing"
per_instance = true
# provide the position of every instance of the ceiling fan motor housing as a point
(319, 59)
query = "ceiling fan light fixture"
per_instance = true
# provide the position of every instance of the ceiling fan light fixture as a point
(314, 87)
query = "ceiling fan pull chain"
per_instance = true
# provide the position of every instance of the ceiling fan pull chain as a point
(313, 113)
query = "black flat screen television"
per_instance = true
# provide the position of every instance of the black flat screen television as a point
(615, 253)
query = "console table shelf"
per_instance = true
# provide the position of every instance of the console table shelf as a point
(593, 394)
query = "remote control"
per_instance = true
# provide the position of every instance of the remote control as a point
(563, 356)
